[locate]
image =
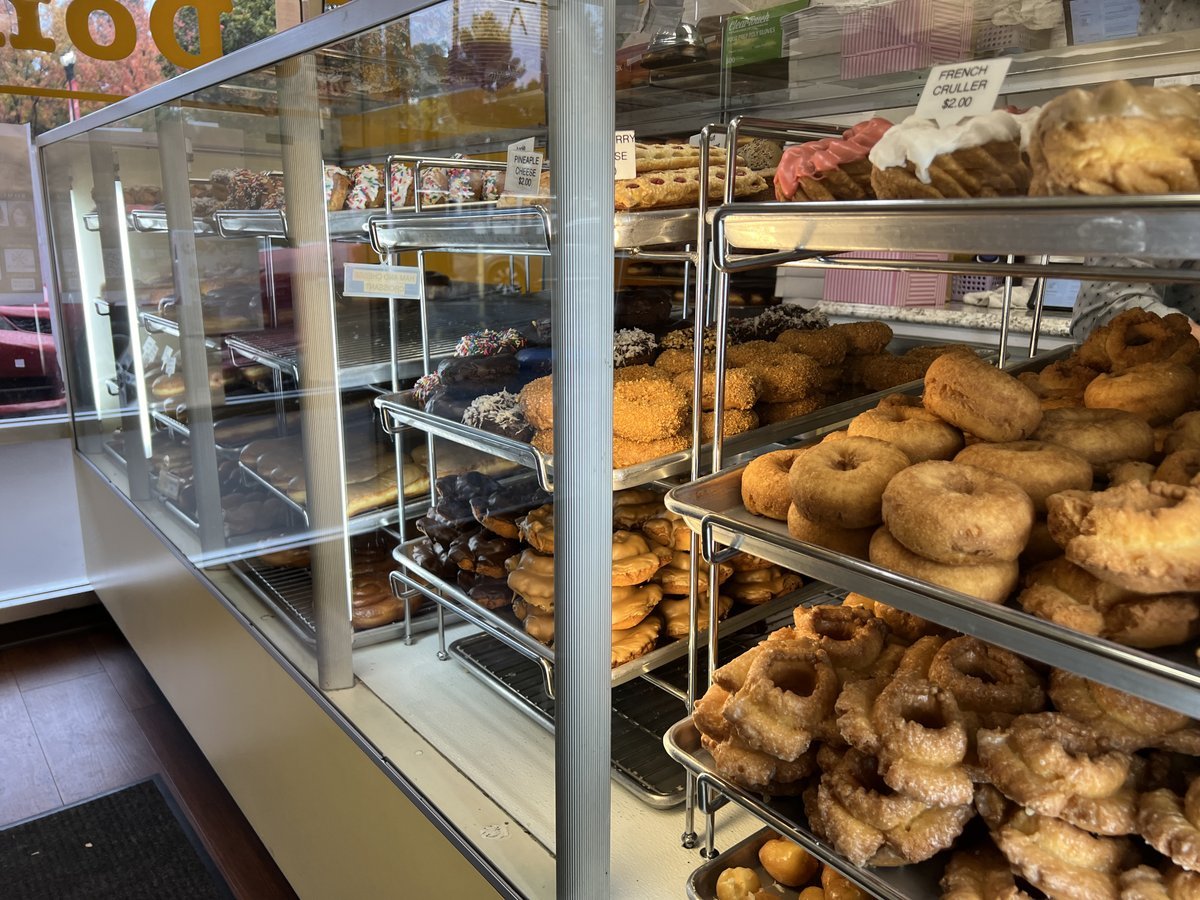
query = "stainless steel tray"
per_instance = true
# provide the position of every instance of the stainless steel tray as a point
(505, 626)
(702, 885)
(713, 507)
(786, 816)
(156, 324)
(641, 715)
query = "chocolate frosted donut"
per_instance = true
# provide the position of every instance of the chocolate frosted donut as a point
(457, 369)
(499, 414)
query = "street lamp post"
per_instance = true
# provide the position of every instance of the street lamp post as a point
(68, 64)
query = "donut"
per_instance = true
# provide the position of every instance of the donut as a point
(788, 694)
(1061, 860)
(1101, 436)
(382, 612)
(744, 354)
(676, 613)
(677, 362)
(734, 421)
(787, 862)
(1184, 434)
(760, 585)
(1156, 392)
(537, 403)
(863, 337)
(980, 399)
(1066, 375)
(708, 714)
(668, 529)
(827, 346)
(738, 883)
(634, 507)
(626, 453)
(1145, 883)
(742, 388)
(1171, 825)
(755, 771)
(852, 636)
(957, 514)
(765, 490)
(770, 413)
(903, 625)
(884, 371)
(991, 582)
(1144, 538)
(532, 576)
(1138, 336)
(536, 528)
(633, 562)
(632, 603)
(640, 372)
(1051, 765)
(630, 643)
(988, 681)
(1037, 467)
(836, 886)
(1180, 467)
(1068, 595)
(922, 742)
(981, 873)
(912, 428)
(649, 410)
(675, 577)
(1131, 470)
(842, 483)
(1118, 720)
(785, 377)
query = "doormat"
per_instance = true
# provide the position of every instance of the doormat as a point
(131, 844)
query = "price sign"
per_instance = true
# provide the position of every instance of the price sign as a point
(169, 360)
(149, 350)
(1171, 80)
(524, 172)
(624, 156)
(957, 90)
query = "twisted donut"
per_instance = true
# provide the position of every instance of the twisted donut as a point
(852, 636)
(912, 428)
(1170, 825)
(789, 692)
(842, 483)
(1119, 720)
(1052, 765)
(1062, 860)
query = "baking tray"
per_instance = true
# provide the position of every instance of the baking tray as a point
(702, 884)
(289, 590)
(156, 324)
(786, 816)
(503, 625)
(640, 717)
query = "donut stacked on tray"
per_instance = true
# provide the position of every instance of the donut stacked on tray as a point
(1082, 478)
(651, 576)
(897, 735)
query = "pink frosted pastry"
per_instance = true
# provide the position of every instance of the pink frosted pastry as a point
(832, 168)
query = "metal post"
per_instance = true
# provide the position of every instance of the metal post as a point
(581, 119)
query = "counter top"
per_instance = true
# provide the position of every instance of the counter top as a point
(1054, 323)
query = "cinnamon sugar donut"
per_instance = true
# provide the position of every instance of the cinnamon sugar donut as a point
(912, 428)
(1037, 467)
(765, 490)
(991, 582)
(842, 483)
(785, 377)
(735, 421)
(770, 413)
(863, 337)
(980, 399)
(1156, 392)
(849, 541)
(649, 410)
(957, 514)
(537, 403)
(1101, 436)
(742, 388)
(827, 346)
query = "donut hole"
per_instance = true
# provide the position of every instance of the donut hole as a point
(926, 712)
(977, 669)
(797, 678)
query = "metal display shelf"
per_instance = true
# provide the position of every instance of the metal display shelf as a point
(289, 590)
(640, 717)
(169, 423)
(147, 221)
(343, 225)
(1154, 227)
(156, 324)
(503, 625)
(713, 507)
(786, 816)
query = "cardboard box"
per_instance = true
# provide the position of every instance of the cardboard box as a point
(906, 35)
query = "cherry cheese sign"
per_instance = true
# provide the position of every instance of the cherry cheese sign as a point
(29, 36)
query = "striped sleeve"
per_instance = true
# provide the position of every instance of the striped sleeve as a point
(1099, 301)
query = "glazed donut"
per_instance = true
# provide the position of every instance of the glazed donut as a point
(1101, 436)
(765, 490)
(852, 636)
(836, 886)
(1145, 883)
(991, 582)
(987, 681)
(785, 377)
(1068, 595)
(1142, 538)
(914, 429)
(738, 883)
(1138, 336)
(383, 612)
(1038, 468)
(755, 771)
(742, 388)
(903, 625)
(770, 413)
(1184, 434)
(1051, 765)
(368, 590)
(981, 873)
(632, 559)
(537, 403)
(842, 483)
(536, 528)
(1171, 825)
(863, 337)
(1061, 860)
(922, 742)
(827, 346)
(957, 514)
(1156, 392)
(632, 603)
(1180, 467)
(668, 529)
(788, 694)
(674, 578)
(649, 410)
(787, 862)
(532, 576)
(708, 714)
(980, 399)
(1118, 720)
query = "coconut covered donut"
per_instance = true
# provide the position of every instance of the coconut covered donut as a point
(990, 581)
(957, 514)
(1061, 860)
(1101, 436)
(911, 427)
(1038, 468)
(1050, 764)
(848, 541)
(980, 399)
(842, 483)
(1142, 538)
(1171, 825)
(765, 490)
(1156, 392)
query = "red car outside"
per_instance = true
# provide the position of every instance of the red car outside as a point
(30, 381)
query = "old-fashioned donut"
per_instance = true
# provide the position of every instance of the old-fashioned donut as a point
(1101, 436)
(842, 483)
(980, 399)
(1037, 467)
(912, 428)
(991, 582)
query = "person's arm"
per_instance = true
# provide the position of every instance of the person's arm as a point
(1099, 301)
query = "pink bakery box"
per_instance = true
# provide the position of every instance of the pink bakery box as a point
(906, 35)
(887, 288)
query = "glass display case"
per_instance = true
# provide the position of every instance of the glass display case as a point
(309, 310)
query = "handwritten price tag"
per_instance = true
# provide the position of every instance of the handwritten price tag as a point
(957, 90)
(524, 171)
